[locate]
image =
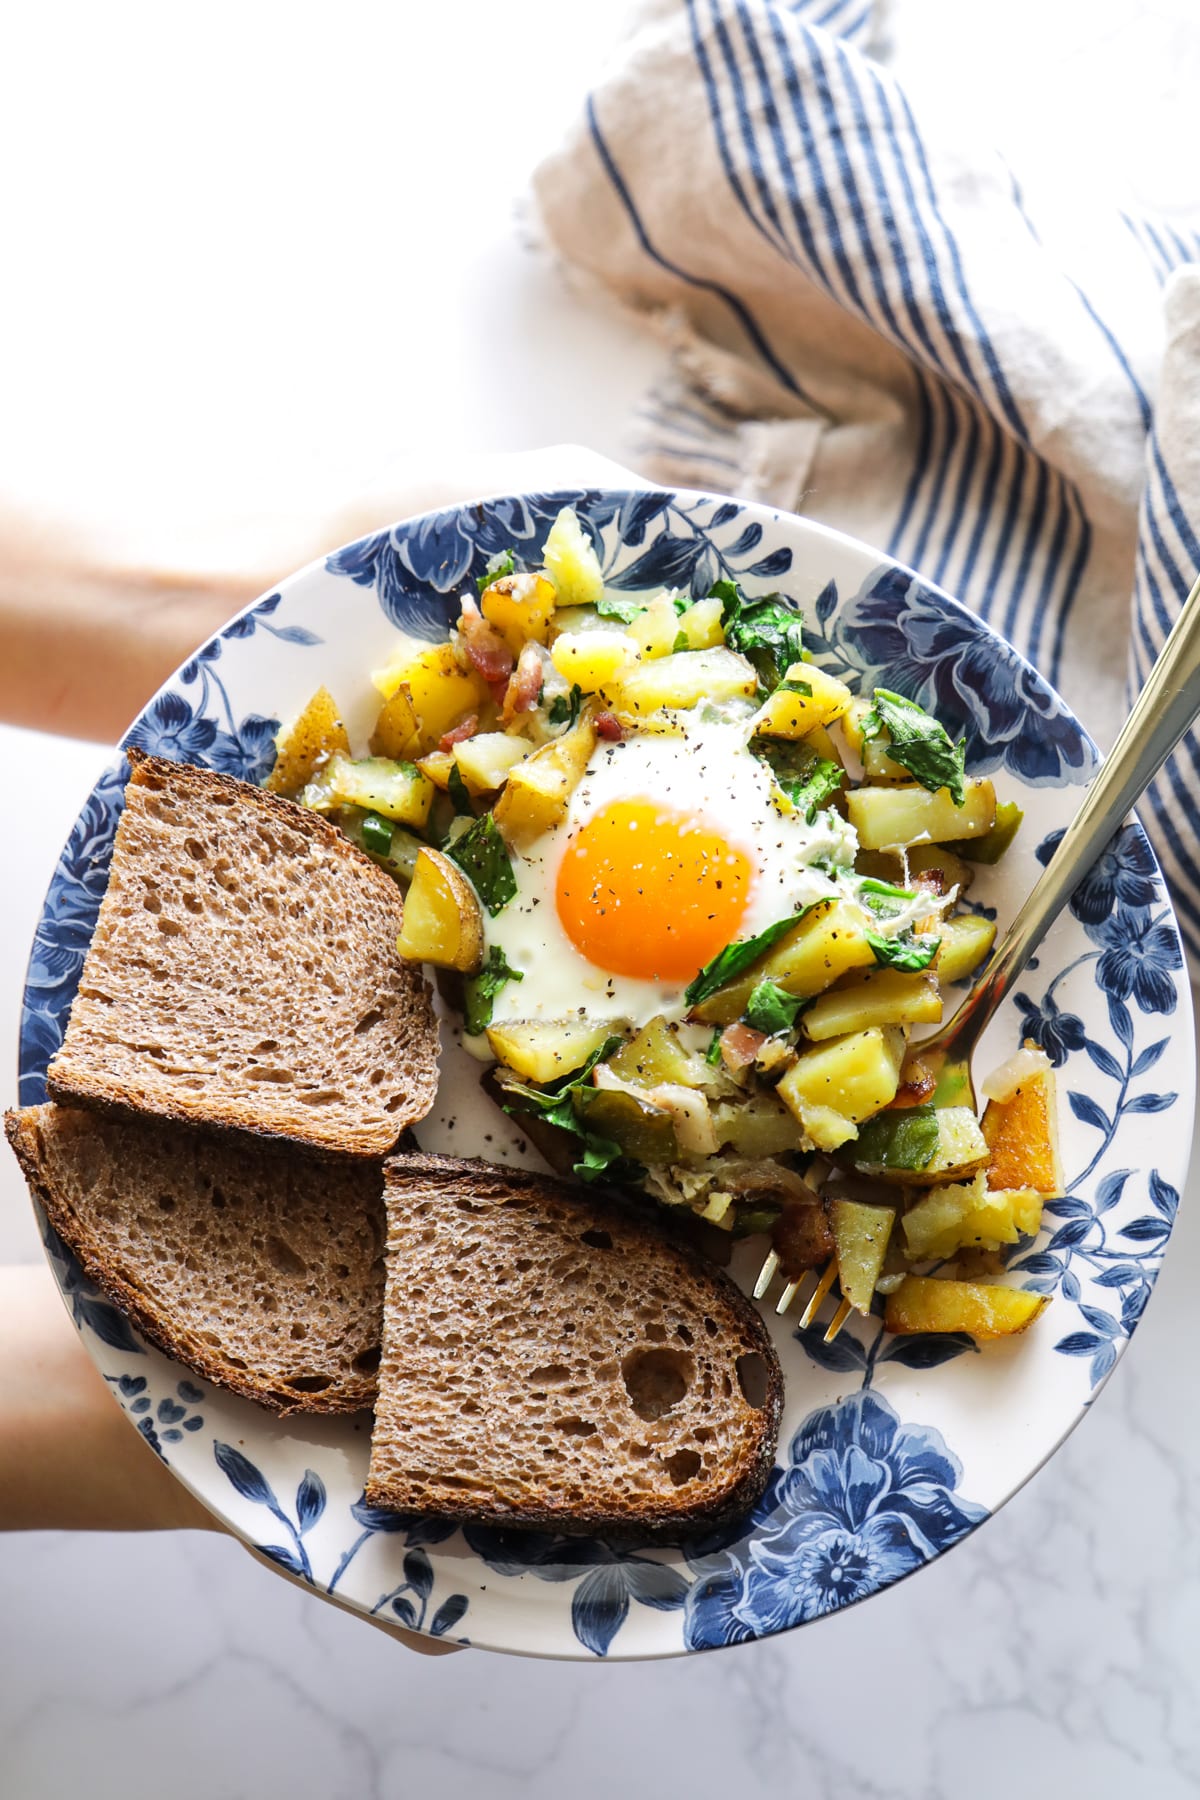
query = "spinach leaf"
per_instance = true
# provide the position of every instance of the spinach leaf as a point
(376, 834)
(564, 708)
(482, 855)
(898, 1140)
(456, 787)
(768, 631)
(712, 1055)
(905, 951)
(480, 990)
(919, 743)
(503, 563)
(809, 779)
(600, 1155)
(736, 957)
(611, 606)
(773, 1010)
(883, 898)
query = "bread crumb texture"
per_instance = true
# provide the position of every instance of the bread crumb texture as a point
(243, 973)
(257, 1265)
(552, 1361)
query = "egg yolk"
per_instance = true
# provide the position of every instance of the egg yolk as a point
(651, 893)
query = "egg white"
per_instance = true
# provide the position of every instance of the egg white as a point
(709, 775)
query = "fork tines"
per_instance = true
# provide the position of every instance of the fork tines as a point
(824, 1282)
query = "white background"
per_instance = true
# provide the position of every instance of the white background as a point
(255, 255)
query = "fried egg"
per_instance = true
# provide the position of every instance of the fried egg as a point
(672, 848)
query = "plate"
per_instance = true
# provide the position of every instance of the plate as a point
(892, 1449)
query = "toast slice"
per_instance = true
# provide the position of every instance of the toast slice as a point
(552, 1360)
(259, 1266)
(243, 974)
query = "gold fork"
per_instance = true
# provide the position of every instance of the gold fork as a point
(1165, 709)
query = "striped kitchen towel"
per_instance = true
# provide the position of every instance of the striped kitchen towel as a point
(872, 324)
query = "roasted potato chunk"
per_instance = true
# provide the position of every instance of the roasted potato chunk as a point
(395, 733)
(681, 681)
(655, 1054)
(833, 1087)
(539, 789)
(806, 698)
(486, 760)
(925, 1303)
(306, 743)
(966, 940)
(1022, 1136)
(591, 660)
(572, 563)
(542, 1050)
(967, 1215)
(860, 1235)
(442, 922)
(876, 997)
(398, 791)
(440, 691)
(885, 816)
(830, 939)
(520, 607)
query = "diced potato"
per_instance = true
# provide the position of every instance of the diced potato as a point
(923, 1303)
(994, 843)
(904, 866)
(967, 1215)
(960, 1149)
(592, 660)
(1022, 1136)
(824, 745)
(543, 1049)
(701, 625)
(876, 997)
(966, 940)
(682, 680)
(571, 562)
(873, 751)
(395, 733)
(643, 1131)
(399, 791)
(850, 1077)
(536, 795)
(304, 746)
(718, 1210)
(519, 606)
(860, 1237)
(883, 816)
(389, 677)
(442, 922)
(795, 713)
(655, 1055)
(654, 630)
(827, 1129)
(485, 760)
(438, 765)
(827, 942)
(441, 692)
(757, 1126)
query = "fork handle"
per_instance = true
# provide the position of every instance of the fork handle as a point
(1166, 707)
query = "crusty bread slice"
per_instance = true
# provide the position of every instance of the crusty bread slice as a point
(258, 1265)
(554, 1361)
(243, 974)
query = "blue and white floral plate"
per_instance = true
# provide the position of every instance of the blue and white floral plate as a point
(892, 1449)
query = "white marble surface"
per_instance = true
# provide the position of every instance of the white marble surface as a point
(227, 196)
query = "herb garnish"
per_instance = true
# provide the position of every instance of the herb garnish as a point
(564, 708)
(482, 855)
(554, 1103)
(768, 631)
(919, 743)
(479, 991)
(809, 779)
(735, 957)
(771, 1009)
(503, 563)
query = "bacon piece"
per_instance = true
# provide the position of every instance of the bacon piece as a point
(740, 1044)
(458, 734)
(609, 726)
(486, 649)
(917, 1082)
(525, 685)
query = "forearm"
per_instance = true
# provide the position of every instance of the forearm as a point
(69, 1460)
